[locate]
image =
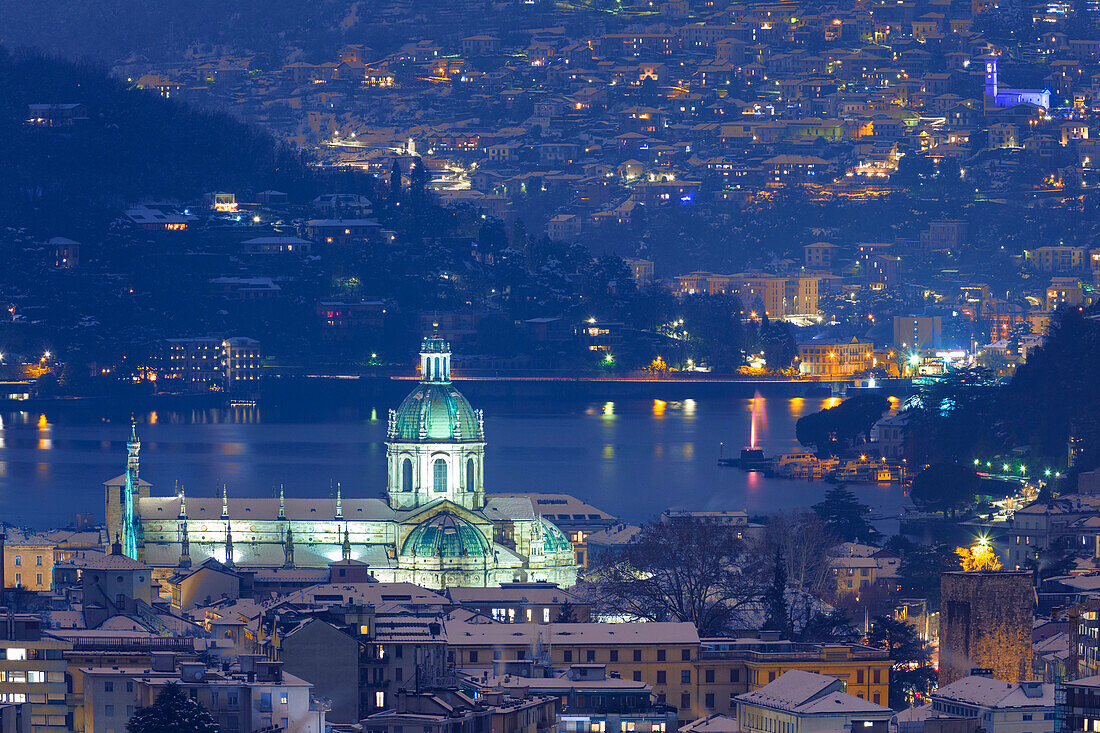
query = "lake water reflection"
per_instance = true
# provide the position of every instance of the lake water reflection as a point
(632, 458)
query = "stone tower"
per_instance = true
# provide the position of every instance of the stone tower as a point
(985, 622)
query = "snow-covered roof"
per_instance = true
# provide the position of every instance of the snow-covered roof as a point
(987, 692)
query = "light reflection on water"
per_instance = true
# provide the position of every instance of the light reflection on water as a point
(632, 458)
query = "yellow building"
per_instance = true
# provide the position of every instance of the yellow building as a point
(835, 357)
(28, 561)
(699, 677)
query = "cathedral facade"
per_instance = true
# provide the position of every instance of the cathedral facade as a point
(436, 526)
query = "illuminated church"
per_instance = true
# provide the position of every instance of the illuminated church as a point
(436, 526)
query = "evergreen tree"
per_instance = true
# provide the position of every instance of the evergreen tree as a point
(172, 712)
(395, 181)
(846, 517)
(567, 614)
(778, 619)
(911, 672)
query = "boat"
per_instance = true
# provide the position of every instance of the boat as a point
(804, 466)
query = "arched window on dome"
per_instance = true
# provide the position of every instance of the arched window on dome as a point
(407, 475)
(471, 482)
(439, 475)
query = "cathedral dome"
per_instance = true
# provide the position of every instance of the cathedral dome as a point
(553, 539)
(446, 535)
(435, 411)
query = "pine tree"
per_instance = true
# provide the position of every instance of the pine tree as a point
(172, 712)
(395, 181)
(845, 516)
(778, 619)
(566, 614)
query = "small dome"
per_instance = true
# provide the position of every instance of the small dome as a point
(553, 539)
(436, 411)
(446, 535)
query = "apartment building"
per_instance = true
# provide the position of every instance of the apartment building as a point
(698, 677)
(32, 672)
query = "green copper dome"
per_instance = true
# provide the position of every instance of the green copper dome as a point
(553, 539)
(446, 535)
(436, 411)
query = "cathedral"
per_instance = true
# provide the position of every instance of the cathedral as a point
(436, 526)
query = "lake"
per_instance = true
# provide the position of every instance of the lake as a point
(632, 458)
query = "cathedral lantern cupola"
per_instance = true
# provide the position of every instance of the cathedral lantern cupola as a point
(435, 439)
(435, 360)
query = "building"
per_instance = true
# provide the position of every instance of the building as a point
(1001, 707)
(65, 252)
(436, 526)
(835, 357)
(56, 115)
(588, 698)
(28, 560)
(342, 231)
(697, 676)
(276, 245)
(1068, 291)
(985, 622)
(32, 672)
(206, 363)
(641, 270)
(574, 517)
(1078, 704)
(341, 317)
(540, 603)
(1059, 259)
(918, 332)
(804, 702)
(998, 96)
(819, 255)
(251, 695)
(453, 711)
(944, 234)
(358, 655)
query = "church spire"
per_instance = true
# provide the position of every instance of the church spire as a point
(225, 502)
(185, 544)
(282, 504)
(288, 549)
(339, 503)
(129, 529)
(229, 543)
(345, 549)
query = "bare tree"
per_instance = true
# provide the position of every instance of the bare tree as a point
(802, 539)
(685, 569)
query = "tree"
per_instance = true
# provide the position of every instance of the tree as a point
(978, 557)
(944, 487)
(775, 600)
(921, 567)
(802, 538)
(836, 429)
(829, 627)
(911, 673)
(172, 712)
(567, 614)
(680, 570)
(395, 181)
(845, 516)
